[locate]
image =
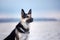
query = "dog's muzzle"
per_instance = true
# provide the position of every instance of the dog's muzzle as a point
(29, 20)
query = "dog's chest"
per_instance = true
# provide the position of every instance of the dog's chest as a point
(22, 31)
(21, 36)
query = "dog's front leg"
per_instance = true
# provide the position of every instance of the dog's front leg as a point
(17, 37)
(26, 38)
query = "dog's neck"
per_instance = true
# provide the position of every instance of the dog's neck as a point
(26, 25)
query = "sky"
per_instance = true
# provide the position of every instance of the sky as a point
(12, 8)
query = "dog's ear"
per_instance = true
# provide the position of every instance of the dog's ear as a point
(29, 11)
(22, 12)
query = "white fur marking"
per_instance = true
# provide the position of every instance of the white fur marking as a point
(22, 36)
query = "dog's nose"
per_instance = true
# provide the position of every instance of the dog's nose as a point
(31, 19)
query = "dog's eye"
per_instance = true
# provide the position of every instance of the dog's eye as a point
(23, 16)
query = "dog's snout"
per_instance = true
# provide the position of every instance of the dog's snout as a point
(29, 20)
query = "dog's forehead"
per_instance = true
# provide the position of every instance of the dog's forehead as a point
(27, 14)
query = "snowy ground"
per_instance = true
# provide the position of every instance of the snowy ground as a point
(43, 30)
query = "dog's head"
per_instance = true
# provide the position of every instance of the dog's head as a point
(26, 17)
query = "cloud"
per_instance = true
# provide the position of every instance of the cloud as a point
(9, 15)
(46, 15)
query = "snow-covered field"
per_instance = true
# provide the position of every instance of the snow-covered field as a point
(41, 30)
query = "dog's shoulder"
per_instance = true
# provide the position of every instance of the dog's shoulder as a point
(19, 25)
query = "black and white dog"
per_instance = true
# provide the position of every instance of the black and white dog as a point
(22, 28)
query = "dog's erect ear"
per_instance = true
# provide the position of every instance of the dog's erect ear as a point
(22, 12)
(29, 11)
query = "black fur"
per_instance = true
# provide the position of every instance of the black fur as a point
(13, 35)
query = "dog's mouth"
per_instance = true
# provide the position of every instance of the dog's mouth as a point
(29, 20)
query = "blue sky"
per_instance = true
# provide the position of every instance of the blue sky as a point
(13, 7)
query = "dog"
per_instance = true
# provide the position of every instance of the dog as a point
(21, 30)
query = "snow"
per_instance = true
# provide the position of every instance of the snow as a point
(41, 30)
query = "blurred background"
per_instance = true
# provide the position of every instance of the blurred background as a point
(46, 14)
(41, 9)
